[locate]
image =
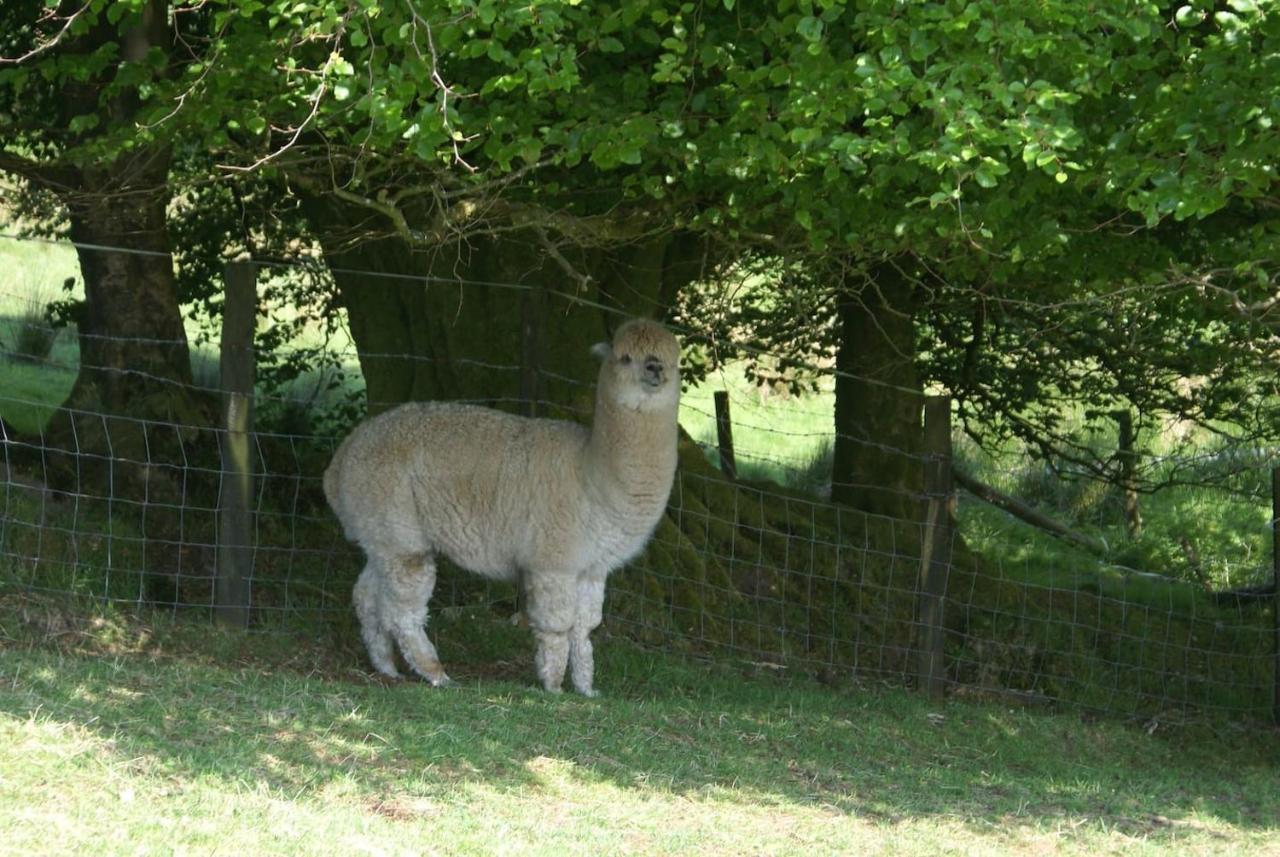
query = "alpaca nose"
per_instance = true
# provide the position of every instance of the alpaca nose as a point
(653, 371)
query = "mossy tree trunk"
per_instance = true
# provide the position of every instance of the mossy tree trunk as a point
(879, 434)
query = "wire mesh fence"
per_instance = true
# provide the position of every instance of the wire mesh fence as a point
(762, 568)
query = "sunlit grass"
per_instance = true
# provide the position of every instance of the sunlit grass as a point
(777, 437)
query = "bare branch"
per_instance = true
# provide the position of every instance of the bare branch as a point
(584, 281)
(45, 47)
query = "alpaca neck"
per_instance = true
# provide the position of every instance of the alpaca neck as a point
(633, 452)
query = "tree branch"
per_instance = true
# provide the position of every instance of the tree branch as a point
(50, 44)
(54, 177)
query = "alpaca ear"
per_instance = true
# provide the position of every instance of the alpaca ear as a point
(601, 350)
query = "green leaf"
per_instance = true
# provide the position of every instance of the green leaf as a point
(810, 28)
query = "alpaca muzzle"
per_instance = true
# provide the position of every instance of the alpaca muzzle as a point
(655, 374)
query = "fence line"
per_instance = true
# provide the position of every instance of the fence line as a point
(128, 508)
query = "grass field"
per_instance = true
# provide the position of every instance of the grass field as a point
(121, 736)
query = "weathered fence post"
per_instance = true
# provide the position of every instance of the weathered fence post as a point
(531, 324)
(935, 553)
(1275, 592)
(235, 497)
(530, 351)
(724, 435)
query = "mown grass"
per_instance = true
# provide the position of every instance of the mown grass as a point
(119, 735)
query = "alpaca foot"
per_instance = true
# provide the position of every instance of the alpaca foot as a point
(435, 677)
(441, 680)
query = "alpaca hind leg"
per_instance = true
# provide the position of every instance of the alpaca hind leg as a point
(376, 638)
(590, 604)
(407, 586)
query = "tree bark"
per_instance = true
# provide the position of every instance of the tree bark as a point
(134, 357)
(877, 464)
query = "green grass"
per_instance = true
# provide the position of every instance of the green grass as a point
(119, 735)
(777, 437)
(32, 393)
(34, 267)
(31, 275)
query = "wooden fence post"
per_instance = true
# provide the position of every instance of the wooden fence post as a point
(531, 324)
(1275, 592)
(235, 497)
(530, 351)
(935, 554)
(724, 435)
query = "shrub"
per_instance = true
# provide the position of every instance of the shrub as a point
(33, 334)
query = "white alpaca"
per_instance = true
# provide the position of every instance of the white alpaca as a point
(500, 495)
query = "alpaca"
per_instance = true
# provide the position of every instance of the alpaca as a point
(548, 502)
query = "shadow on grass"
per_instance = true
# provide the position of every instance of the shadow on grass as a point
(295, 713)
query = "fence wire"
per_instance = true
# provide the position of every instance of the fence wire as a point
(762, 569)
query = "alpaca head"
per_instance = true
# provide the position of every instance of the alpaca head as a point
(641, 367)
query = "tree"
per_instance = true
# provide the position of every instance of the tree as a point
(1001, 163)
(71, 93)
(927, 161)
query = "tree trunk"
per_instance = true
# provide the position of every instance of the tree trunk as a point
(879, 434)
(134, 361)
(134, 357)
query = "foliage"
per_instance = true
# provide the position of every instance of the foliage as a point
(1104, 165)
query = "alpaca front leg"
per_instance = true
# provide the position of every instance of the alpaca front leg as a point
(552, 608)
(551, 658)
(582, 662)
(590, 609)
